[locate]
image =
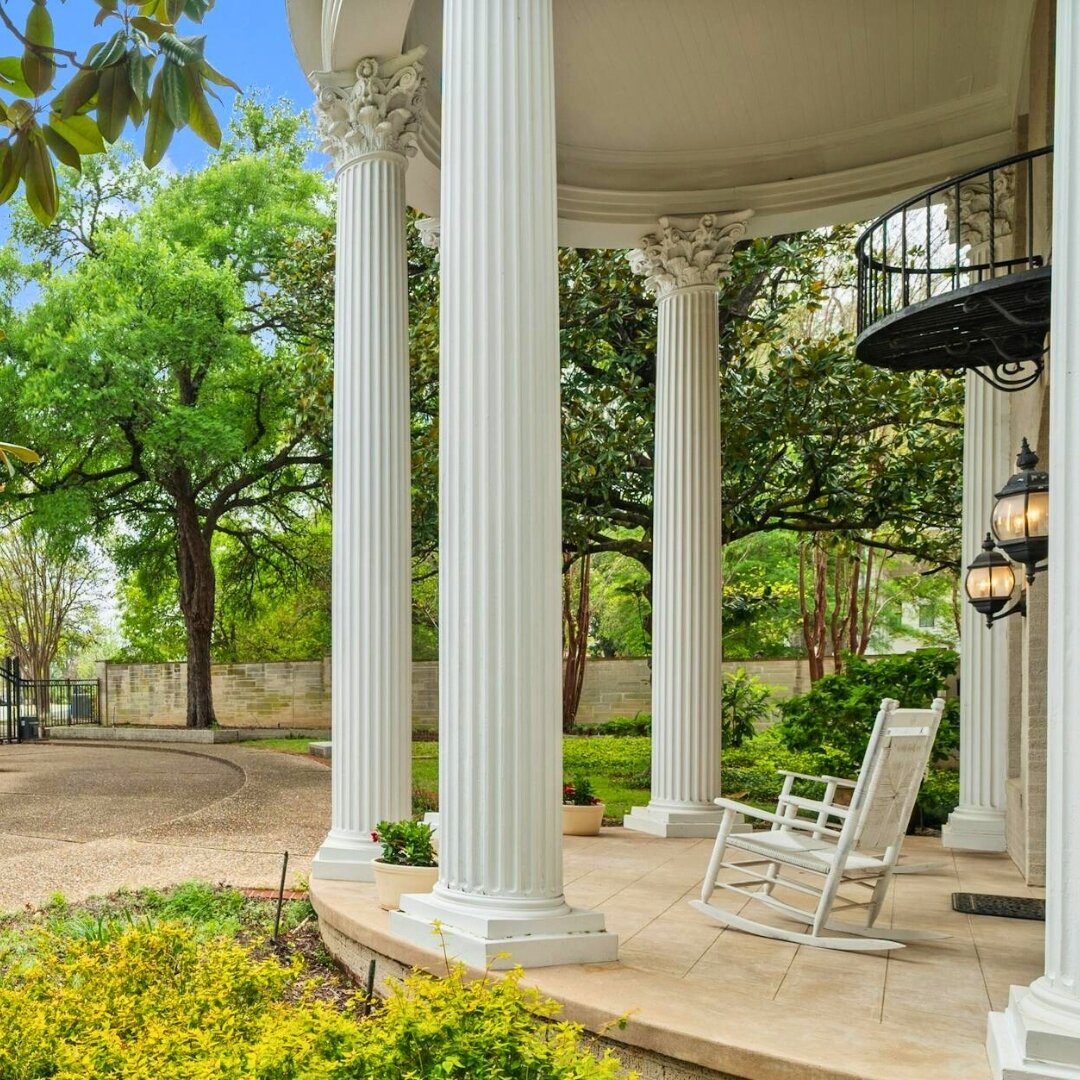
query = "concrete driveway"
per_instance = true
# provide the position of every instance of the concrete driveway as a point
(88, 819)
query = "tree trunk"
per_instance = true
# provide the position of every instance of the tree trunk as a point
(576, 637)
(195, 569)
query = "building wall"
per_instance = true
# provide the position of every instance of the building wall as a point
(1025, 810)
(296, 694)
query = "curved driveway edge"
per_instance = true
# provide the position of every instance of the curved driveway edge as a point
(89, 819)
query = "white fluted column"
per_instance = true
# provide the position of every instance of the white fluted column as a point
(500, 780)
(368, 120)
(1038, 1034)
(978, 823)
(682, 264)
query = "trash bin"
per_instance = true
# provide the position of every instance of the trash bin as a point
(28, 728)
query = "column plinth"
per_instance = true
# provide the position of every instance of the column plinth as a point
(500, 884)
(682, 264)
(1038, 1034)
(368, 120)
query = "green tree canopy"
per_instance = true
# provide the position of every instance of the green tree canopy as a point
(177, 403)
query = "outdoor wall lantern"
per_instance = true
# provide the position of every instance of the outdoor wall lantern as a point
(990, 584)
(1020, 523)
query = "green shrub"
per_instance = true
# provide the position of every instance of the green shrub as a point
(161, 1002)
(749, 772)
(405, 843)
(618, 725)
(834, 719)
(744, 702)
(938, 797)
(622, 759)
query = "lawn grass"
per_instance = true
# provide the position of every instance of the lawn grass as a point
(617, 766)
(290, 746)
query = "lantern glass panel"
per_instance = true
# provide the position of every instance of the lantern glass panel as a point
(1010, 519)
(994, 582)
(1038, 513)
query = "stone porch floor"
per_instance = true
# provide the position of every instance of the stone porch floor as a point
(717, 999)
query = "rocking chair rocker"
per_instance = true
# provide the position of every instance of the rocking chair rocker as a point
(816, 847)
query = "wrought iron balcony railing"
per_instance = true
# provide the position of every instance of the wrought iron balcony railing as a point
(957, 277)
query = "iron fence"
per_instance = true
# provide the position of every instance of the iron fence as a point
(29, 707)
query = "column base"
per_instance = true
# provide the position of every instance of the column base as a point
(670, 821)
(345, 858)
(974, 829)
(500, 938)
(1032, 1040)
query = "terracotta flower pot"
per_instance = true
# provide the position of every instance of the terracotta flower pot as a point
(393, 881)
(582, 820)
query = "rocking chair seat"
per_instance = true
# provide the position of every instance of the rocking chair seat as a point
(803, 852)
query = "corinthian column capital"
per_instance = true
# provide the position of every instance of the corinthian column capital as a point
(685, 252)
(969, 222)
(374, 109)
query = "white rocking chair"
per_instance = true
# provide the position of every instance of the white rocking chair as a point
(855, 845)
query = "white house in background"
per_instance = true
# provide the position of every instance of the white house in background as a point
(677, 128)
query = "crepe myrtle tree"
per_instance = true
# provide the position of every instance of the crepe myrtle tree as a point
(177, 401)
(59, 106)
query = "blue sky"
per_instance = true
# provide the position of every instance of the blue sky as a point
(248, 40)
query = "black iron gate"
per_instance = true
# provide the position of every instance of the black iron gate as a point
(29, 707)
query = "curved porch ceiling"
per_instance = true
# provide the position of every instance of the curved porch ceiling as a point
(808, 112)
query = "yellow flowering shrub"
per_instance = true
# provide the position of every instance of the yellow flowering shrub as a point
(157, 1002)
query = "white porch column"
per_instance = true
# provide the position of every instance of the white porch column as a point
(682, 264)
(500, 781)
(1038, 1035)
(368, 120)
(978, 823)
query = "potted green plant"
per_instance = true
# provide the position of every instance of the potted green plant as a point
(407, 863)
(582, 812)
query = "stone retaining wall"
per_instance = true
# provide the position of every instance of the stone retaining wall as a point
(296, 694)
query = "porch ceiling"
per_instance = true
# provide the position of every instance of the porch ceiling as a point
(806, 111)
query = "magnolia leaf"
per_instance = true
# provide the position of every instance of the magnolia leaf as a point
(114, 98)
(109, 53)
(38, 66)
(196, 9)
(183, 50)
(150, 27)
(81, 131)
(201, 116)
(108, 5)
(211, 74)
(159, 128)
(78, 93)
(12, 78)
(174, 9)
(175, 93)
(139, 67)
(42, 192)
(62, 149)
(9, 178)
(10, 450)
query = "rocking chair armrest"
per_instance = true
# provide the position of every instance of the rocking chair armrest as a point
(814, 806)
(838, 780)
(767, 815)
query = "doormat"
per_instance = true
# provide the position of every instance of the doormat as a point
(1005, 907)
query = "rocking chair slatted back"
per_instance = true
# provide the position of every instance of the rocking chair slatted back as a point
(894, 770)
